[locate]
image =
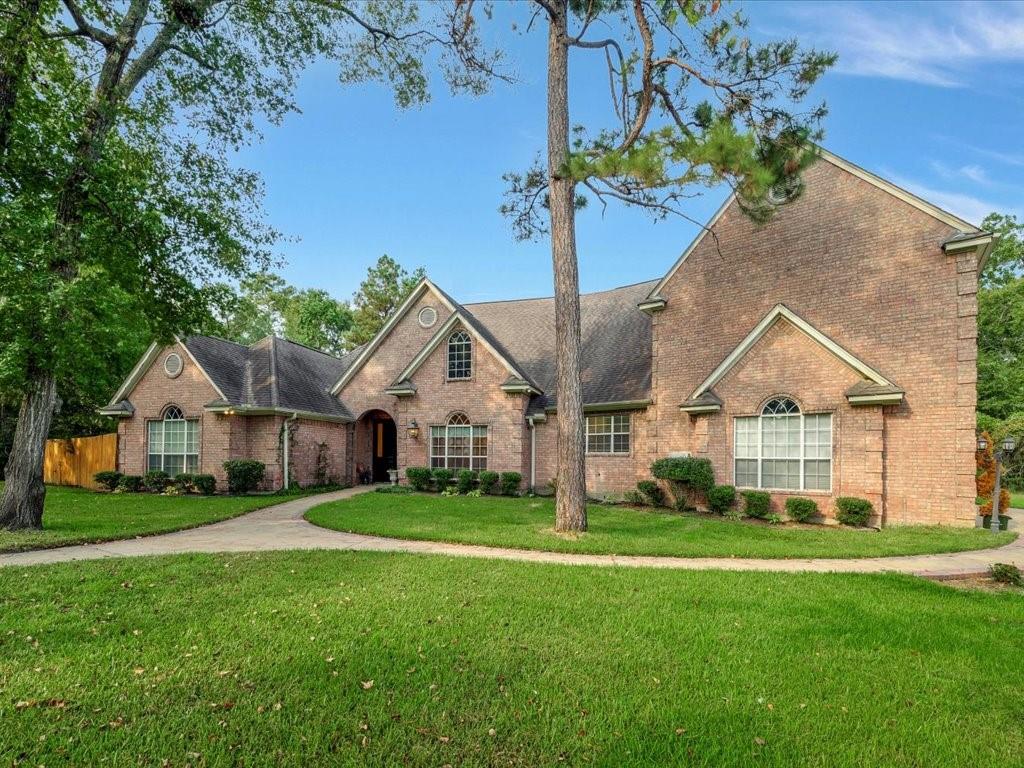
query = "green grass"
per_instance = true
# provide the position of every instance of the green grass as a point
(528, 524)
(261, 660)
(76, 516)
(1016, 500)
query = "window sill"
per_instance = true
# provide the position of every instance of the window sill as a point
(609, 455)
(789, 491)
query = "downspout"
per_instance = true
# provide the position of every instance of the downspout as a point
(287, 443)
(533, 454)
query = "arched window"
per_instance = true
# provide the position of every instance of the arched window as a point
(783, 448)
(460, 356)
(459, 444)
(173, 443)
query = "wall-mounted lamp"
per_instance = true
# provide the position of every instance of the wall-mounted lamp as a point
(413, 430)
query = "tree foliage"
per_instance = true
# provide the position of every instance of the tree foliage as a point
(386, 286)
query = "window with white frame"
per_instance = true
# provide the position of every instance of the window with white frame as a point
(783, 448)
(608, 433)
(460, 356)
(173, 443)
(459, 445)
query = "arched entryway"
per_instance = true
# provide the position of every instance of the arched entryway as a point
(376, 444)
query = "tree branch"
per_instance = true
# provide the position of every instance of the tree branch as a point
(86, 29)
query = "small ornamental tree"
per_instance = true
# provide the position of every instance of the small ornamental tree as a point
(986, 478)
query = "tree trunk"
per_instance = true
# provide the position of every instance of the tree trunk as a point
(571, 492)
(14, 47)
(21, 505)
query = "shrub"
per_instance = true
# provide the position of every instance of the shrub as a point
(801, 509)
(734, 513)
(205, 484)
(488, 482)
(634, 497)
(419, 478)
(652, 492)
(129, 484)
(474, 494)
(399, 489)
(244, 475)
(510, 483)
(442, 478)
(184, 481)
(757, 504)
(449, 491)
(720, 498)
(156, 481)
(695, 474)
(108, 479)
(465, 480)
(1006, 573)
(853, 511)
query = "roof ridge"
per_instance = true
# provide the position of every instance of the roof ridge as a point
(274, 399)
(548, 298)
(311, 349)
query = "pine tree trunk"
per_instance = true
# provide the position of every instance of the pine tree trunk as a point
(571, 493)
(21, 505)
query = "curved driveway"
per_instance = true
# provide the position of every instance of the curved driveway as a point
(283, 527)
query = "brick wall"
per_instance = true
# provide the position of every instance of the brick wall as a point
(867, 270)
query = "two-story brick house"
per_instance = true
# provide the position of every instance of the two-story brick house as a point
(829, 352)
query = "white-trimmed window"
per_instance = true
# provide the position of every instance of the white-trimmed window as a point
(783, 449)
(608, 433)
(460, 356)
(459, 444)
(173, 443)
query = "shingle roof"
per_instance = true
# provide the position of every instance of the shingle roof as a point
(615, 335)
(272, 373)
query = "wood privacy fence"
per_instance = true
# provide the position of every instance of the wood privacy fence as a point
(74, 461)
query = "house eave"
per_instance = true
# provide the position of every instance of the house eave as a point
(615, 405)
(520, 389)
(400, 391)
(698, 409)
(886, 399)
(248, 410)
(655, 304)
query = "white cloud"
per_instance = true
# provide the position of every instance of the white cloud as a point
(932, 43)
(973, 172)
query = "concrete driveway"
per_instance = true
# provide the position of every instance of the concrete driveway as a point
(283, 527)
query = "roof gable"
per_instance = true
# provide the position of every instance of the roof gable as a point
(145, 363)
(778, 313)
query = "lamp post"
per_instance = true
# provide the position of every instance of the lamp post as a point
(1006, 448)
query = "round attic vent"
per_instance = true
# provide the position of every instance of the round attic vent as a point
(428, 316)
(173, 365)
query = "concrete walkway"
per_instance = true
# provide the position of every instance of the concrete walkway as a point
(283, 527)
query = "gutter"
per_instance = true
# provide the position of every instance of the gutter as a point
(533, 453)
(284, 448)
(618, 405)
(248, 410)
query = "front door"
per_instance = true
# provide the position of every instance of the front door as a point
(385, 448)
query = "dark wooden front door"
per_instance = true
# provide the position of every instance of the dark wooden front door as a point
(385, 448)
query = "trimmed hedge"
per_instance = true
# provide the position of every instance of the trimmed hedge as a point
(156, 481)
(652, 492)
(108, 479)
(757, 504)
(695, 474)
(853, 511)
(721, 498)
(510, 482)
(130, 484)
(442, 478)
(183, 481)
(488, 482)
(419, 478)
(801, 509)
(205, 484)
(465, 480)
(244, 475)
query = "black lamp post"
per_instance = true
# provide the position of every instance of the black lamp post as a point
(1006, 448)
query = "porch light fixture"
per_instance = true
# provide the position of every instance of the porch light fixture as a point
(982, 444)
(413, 430)
(1009, 444)
(1004, 450)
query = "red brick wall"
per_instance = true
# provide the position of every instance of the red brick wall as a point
(307, 436)
(867, 270)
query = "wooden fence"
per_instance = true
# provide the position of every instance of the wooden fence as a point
(74, 461)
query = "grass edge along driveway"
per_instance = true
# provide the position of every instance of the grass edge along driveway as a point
(527, 523)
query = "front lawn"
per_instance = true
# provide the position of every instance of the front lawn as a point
(525, 523)
(76, 516)
(340, 658)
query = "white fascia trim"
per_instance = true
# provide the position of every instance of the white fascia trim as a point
(400, 391)
(652, 305)
(519, 389)
(921, 204)
(136, 373)
(968, 245)
(615, 405)
(449, 325)
(375, 342)
(201, 369)
(248, 410)
(700, 408)
(655, 294)
(894, 397)
(781, 311)
(107, 411)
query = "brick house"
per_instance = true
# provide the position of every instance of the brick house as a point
(830, 352)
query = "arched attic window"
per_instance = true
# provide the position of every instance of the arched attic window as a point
(460, 356)
(783, 448)
(173, 443)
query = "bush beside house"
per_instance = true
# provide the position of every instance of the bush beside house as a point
(244, 475)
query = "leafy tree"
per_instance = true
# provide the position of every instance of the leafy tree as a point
(118, 131)
(318, 320)
(386, 286)
(1001, 321)
(1006, 262)
(693, 103)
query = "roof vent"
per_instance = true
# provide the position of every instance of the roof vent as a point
(173, 365)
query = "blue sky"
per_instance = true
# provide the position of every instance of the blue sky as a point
(929, 95)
